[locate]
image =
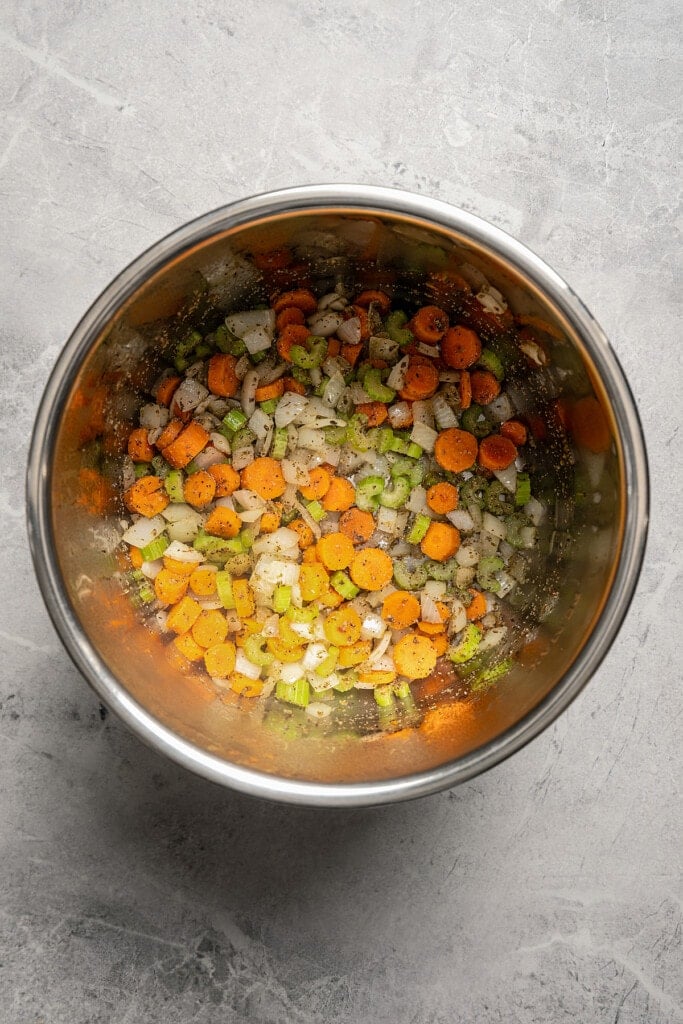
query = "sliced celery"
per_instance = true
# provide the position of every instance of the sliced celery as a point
(174, 485)
(315, 510)
(279, 447)
(343, 585)
(384, 696)
(466, 649)
(224, 589)
(234, 419)
(397, 495)
(418, 529)
(522, 489)
(282, 598)
(293, 693)
(155, 548)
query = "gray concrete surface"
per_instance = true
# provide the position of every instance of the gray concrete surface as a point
(547, 891)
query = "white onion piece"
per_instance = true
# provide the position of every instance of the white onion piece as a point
(249, 386)
(242, 367)
(309, 520)
(316, 376)
(458, 618)
(380, 649)
(153, 415)
(435, 589)
(248, 499)
(496, 527)
(293, 473)
(246, 667)
(317, 710)
(225, 503)
(314, 656)
(257, 340)
(508, 478)
(373, 627)
(278, 542)
(424, 436)
(334, 389)
(291, 671)
(384, 664)
(422, 413)
(210, 456)
(312, 439)
(535, 511)
(350, 331)
(325, 325)
(492, 638)
(461, 519)
(152, 569)
(260, 423)
(467, 554)
(417, 502)
(240, 323)
(267, 373)
(399, 415)
(250, 515)
(289, 408)
(144, 531)
(387, 521)
(428, 610)
(359, 395)
(154, 434)
(397, 377)
(186, 529)
(189, 394)
(488, 300)
(220, 443)
(182, 553)
(333, 300)
(501, 408)
(443, 414)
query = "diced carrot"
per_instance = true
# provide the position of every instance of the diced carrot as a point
(414, 656)
(270, 391)
(343, 626)
(188, 444)
(223, 522)
(333, 347)
(169, 587)
(203, 582)
(429, 324)
(477, 607)
(199, 489)
(496, 452)
(166, 390)
(376, 677)
(310, 555)
(430, 629)
(376, 412)
(362, 314)
(460, 348)
(168, 434)
(313, 581)
(245, 686)
(354, 654)
(330, 599)
(446, 287)
(421, 379)
(440, 644)
(351, 352)
(178, 567)
(293, 385)
(318, 485)
(357, 524)
(244, 598)
(146, 496)
(219, 660)
(270, 521)
(465, 388)
(371, 569)
(289, 315)
(440, 542)
(442, 498)
(183, 615)
(139, 448)
(303, 532)
(227, 479)
(222, 379)
(210, 628)
(514, 431)
(380, 298)
(401, 415)
(301, 298)
(589, 425)
(189, 647)
(485, 387)
(335, 551)
(401, 609)
(340, 496)
(264, 476)
(455, 450)
(135, 556)
(293, 334)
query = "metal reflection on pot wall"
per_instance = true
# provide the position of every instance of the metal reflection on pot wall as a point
(361, 236)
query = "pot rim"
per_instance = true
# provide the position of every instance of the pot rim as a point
(439, 215)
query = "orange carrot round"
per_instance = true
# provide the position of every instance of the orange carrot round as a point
(301, 298)
(514, 431)
(203, 582)
(455, 450)
(293, 334)
(340, 496)
(199, 489)
(401, 609)
(465, 388)
(496, 452)
(303, 532)
(223, 522)
(421, 379)
(357, 524)
(188, 444)
(440, 542)
(335, 551)
(375, 412)
(289, 315)
(295, 386)
(477, 607)
(380, 298)
(460, 348)
(139, 448)
(227, 479)
(343, 626)
(485, 387)
(168, 434)
(219, 659)
(222, 379)
(210, 628)
(270, 391)
(146, 496)
(166, 390)
(264, 477)
(414, 656)
(429, 324)
(169, 587)
(371, 569)
(319, 481)
(442, 498)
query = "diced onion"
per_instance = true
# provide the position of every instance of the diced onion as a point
(278, 543)
(496, 527)
(428, 610)
(289, 407)
(508, 478)
(492, 637)
(461, 519)
(248, 499)
(317, 710)
(260, 423)
(424, 436)
(246, 667)
(373, 627)
(189, 394)
(257, 339)
(243, 457)
(397, 377)
(182, 553)
(240, 323)
(501, 408)
(417, 502)
(144, 531)
(324, 325)
(443, 414)
(380, 649)
(350, 331)
(152, 569)
(153, 415)
(210, 456)
(467, 554)
(249, 386)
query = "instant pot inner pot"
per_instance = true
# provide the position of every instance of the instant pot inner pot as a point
(554, 608)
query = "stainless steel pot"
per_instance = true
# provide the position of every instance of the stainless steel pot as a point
(371, 234)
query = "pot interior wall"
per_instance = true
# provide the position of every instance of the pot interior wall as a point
(579, 541)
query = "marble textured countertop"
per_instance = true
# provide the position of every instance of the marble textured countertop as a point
(546, 891)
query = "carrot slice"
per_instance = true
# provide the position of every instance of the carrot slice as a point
(446, 287)
(351, 352)
(146, 496)
(333, 347)
(455, 450)
(515, 431)
(313, 580)
(589, 425)
(421, 379)
(169, 587)
(485, 387)
(270, 391)
(318, 485)
(199, 489)
(183, 615)
(340, 497)
(223, 522)
(301, 298)
(376, 412)
(401, 609)
(477, 607)
(429, 324)
(442, 498)
(139, 448)
(460, 348)
(440, 542)
(371, 569)
(289, 315)
(168, 434)
(222, 379)
(295, 386)
(270, 521)
(227, 479)
(380, 298)
(210, 628)
(414, 656)
(343, 626)
(189, 443)
(496, 452)
(219, 660)
(465, 387)
(357, 524)
(166, 390)
(303, 532)
(335, 551)
(264, 476)
(362, 315)
(293, 334)
(203, 582)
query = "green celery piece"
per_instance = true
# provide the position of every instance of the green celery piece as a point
(326, 667)
(418, 529)
(224, 589)
(296, 693)
(344, 585)
(397, 495)
(279, 447)
(234, 419)
(376, 390)
(522, 489)
(269, 407)
(486, 569)
(315, 510)
(490, 361)
(155, 548)
(282, 598)
(384, 696)
(467, 647)
(174, 485)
